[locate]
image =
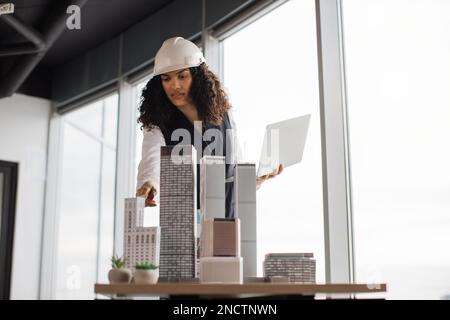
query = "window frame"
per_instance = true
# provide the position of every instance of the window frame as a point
(48, 273)
(336, 175)
(10, 175)
(338, 226)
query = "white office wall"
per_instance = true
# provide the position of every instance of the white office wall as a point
(24, 124)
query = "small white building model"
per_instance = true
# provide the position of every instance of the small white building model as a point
(141, 244)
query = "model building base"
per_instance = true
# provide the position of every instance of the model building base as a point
(221, 270)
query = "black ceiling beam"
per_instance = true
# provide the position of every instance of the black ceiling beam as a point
(19, 49)
(51, 31)
(27, 31)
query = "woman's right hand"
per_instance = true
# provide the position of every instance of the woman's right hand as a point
(148, 191)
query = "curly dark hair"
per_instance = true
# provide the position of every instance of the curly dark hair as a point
(206, 92)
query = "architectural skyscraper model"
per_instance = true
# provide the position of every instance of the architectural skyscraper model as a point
(141, 244)
(178, 216)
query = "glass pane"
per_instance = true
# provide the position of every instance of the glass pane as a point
(88, 118)
(273, 79)
(398, 75)
(151, 214)
(110, 121)
(139, 133)
(88, 182)
(107, 213)
(78, 225)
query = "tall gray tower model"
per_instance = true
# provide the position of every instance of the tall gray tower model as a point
(178, 212)
(245, 210)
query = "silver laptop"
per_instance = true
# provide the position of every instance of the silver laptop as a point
(284, 143)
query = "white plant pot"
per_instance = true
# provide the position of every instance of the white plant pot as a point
(119, 276)
(146, 276)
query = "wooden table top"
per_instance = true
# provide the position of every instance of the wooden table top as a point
(236, 289)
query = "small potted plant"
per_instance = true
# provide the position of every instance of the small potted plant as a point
(118, 273)
(145, 273)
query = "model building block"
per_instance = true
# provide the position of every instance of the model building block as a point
(212, 186)
(226, 238)
(207, 238)
(221, 270)
(297, 267)
(220, 238)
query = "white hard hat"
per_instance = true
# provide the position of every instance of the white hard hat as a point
(177, 53)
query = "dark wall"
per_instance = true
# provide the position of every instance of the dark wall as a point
(135, 48)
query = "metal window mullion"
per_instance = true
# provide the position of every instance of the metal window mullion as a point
(337, 214)
(100, 194)
(212, 51)
(52, 205)
(347, 148)
(124, 159)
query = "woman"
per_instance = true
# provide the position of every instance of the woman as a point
(182, 91)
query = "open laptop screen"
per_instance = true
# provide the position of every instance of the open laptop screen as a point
(283, 143)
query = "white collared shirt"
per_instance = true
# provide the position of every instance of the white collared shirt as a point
(149, 166)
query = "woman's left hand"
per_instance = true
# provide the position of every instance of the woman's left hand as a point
(260, 180)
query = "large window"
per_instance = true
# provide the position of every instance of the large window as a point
(398, 79)
(151, 214)
(87, 198)
(270, 74)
